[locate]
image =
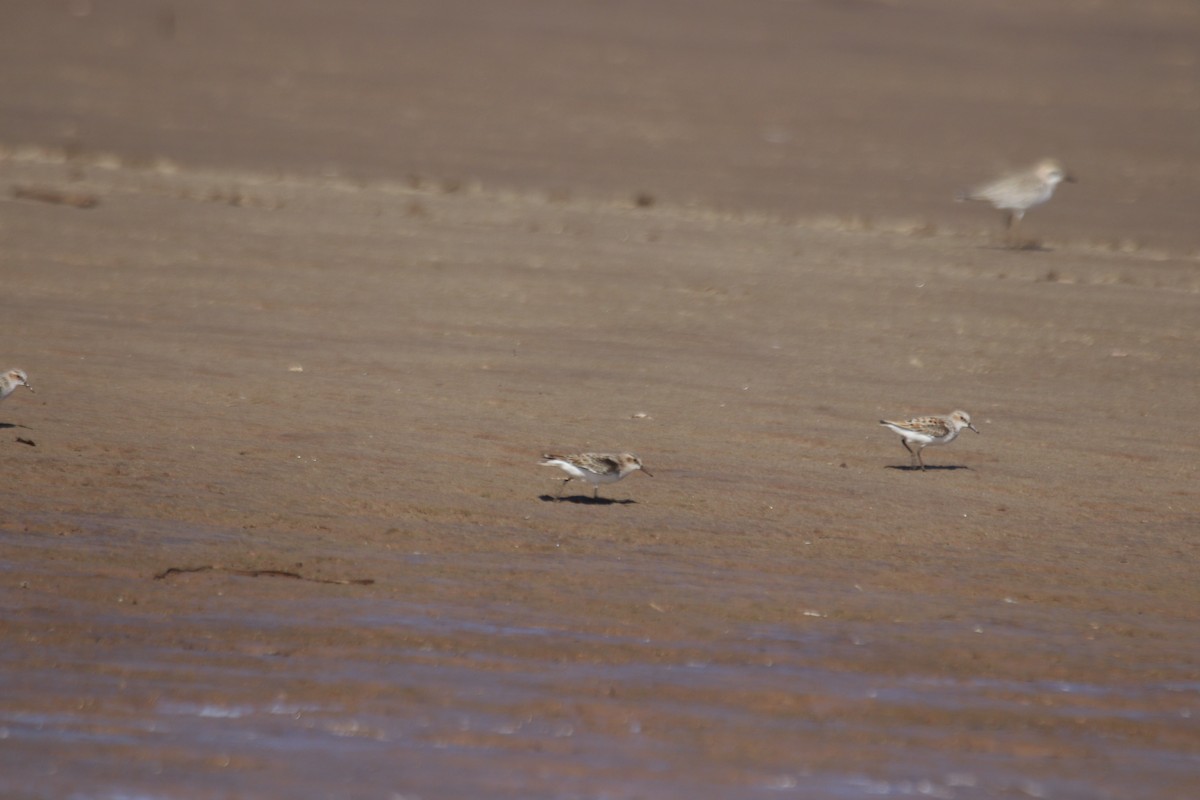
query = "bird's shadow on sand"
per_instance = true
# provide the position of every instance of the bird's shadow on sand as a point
(9, 425)
(584, 500)
(1032, 246)
(928, 467)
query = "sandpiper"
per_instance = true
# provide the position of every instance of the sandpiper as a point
(931, 430)
(595, 468)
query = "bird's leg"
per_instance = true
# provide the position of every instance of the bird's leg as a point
(911, 455)
(1014, 228)
(562, 486)
(595, 492)
(921, 460)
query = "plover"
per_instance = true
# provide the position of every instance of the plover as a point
(11, 379)
(1017, 193)
(595, 468)
(924, 431)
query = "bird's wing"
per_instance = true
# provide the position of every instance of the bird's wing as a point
(930, 426)
(599, 463)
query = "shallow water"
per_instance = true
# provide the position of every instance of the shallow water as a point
(359, 697)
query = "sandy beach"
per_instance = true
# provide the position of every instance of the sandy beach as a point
(305, 289)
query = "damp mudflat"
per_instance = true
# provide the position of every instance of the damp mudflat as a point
(305, 293)
(565, 672)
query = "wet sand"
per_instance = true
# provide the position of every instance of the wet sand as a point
(276, 526)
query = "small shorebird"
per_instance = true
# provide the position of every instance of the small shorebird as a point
(1017, 193)
(924, 431)
(10, 380)
(595, 468)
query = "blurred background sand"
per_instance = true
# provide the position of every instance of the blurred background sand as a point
(859, 110)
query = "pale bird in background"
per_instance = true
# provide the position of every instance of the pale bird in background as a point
(10, 380)
(595, 468)
(1017, 193)
(924, 431)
